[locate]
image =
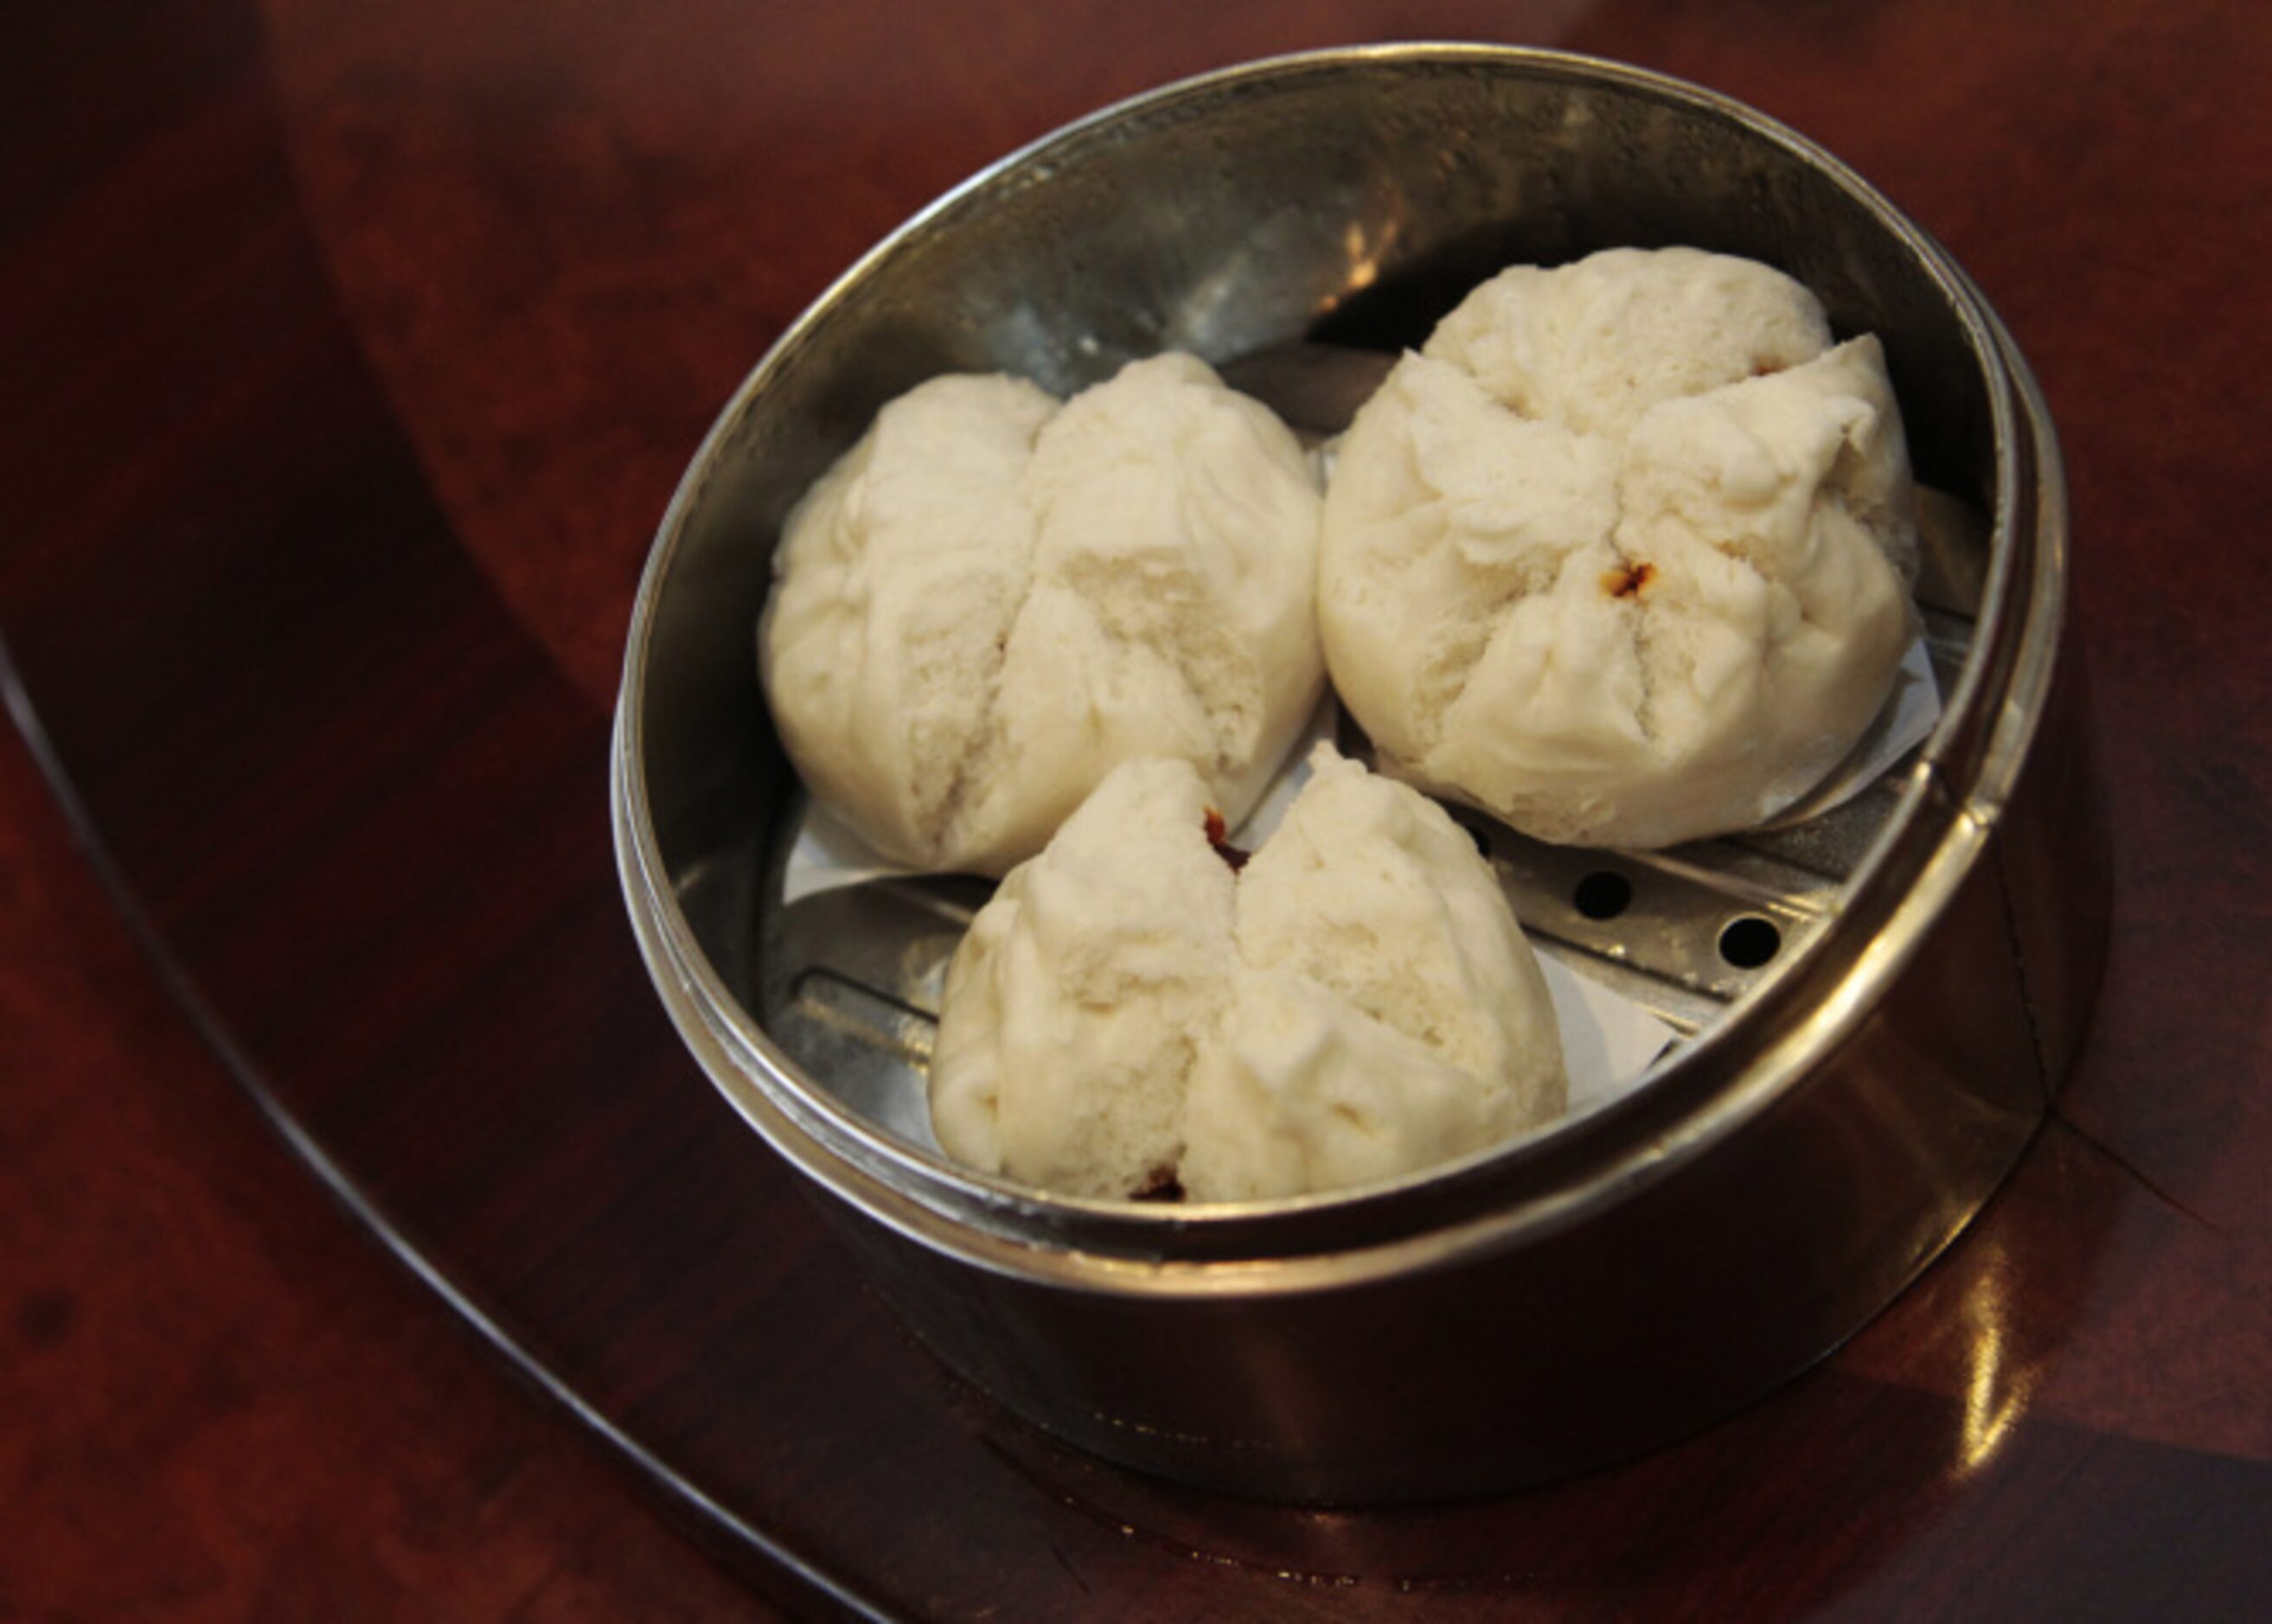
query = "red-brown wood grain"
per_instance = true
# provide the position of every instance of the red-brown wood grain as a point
(347, 355)
(221, 1401)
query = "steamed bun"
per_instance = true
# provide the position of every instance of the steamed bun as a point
(1131, 1012)
(1622, 555)
(991, 599)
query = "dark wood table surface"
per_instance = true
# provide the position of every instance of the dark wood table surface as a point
(348, 356)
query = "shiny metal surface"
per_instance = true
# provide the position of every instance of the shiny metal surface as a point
(1842, 1109)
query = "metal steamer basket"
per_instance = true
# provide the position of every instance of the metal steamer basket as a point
(1877, 1003)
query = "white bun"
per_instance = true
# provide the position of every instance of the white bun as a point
(1623, 556)
(1356, 1004)
(990, 600)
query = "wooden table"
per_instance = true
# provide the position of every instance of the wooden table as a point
(348, 355)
